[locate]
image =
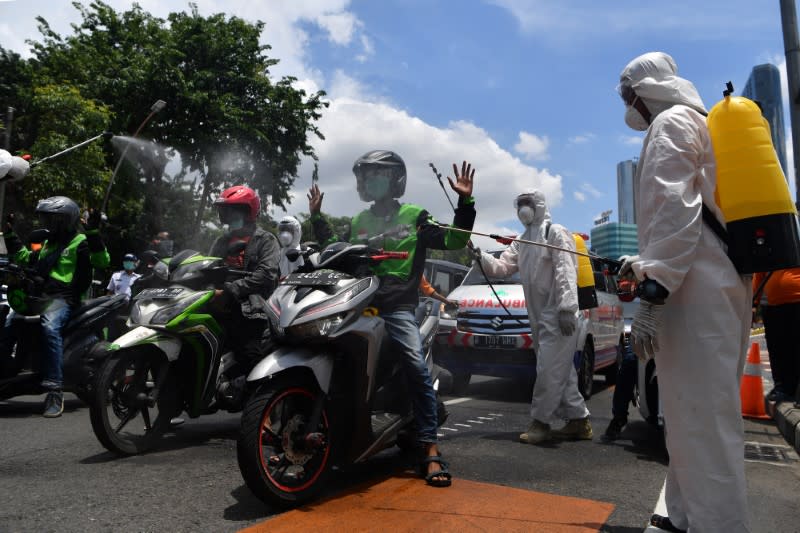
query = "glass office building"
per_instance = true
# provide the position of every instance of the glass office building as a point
(764, 87)
(614, 239)
(626, 191)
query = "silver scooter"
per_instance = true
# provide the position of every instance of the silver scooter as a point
(333, 392)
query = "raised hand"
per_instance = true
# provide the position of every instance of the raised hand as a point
(314, 199)
(463, 183)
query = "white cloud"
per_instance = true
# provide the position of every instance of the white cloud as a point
(633, 140)
(532, 146)
(587, 187)
(353, 127)
(581, 139)
(581, 197)
(368, 49)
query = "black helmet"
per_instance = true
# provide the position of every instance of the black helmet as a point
(60, 211)
(130, 257)
(380, 161)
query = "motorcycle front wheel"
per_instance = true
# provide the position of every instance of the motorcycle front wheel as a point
(133, 401)
(278, 464)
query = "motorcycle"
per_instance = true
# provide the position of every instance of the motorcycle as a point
(83, 336)
(333, 392)
(172, 360)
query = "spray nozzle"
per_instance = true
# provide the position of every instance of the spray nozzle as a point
(728, 91)
(107, 135)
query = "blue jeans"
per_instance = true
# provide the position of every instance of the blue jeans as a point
(404, 332)
(626, 381)
(53, 321)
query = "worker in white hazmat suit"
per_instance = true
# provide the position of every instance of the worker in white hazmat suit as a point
(289, 232)
(549, 282)
(694, 313)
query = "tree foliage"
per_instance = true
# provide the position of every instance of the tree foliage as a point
(228, 120)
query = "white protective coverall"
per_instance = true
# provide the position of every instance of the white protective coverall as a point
(549, 282)
(706, 317)
(289, 233)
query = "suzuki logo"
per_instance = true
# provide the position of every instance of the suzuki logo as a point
(497, 322)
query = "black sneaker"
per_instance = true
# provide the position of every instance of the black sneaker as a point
(778, 396)
(615, 427)
(53, 404)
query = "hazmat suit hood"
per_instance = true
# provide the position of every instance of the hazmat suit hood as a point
(541, 215)
(654, 78)
(289, 226)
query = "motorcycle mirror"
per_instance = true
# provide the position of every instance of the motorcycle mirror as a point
(38, 236)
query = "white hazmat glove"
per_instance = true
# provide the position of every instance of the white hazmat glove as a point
(644, 329)
(566, 322)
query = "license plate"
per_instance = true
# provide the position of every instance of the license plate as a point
(495, 341)
(165, 293)
(318, 278)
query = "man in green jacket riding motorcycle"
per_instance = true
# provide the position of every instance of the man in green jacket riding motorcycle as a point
(64, 263)
(388, 224)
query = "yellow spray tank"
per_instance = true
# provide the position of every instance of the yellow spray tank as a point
(587, 297)
(752, 191)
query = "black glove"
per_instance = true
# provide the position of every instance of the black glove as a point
(8, 226)
(94, 219)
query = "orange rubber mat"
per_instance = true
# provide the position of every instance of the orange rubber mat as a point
(407, 504)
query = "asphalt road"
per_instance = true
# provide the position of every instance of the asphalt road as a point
(55, 476)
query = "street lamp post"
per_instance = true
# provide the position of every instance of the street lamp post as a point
(155, 108)
(791, 47)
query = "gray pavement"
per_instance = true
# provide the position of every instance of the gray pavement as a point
(55, 476)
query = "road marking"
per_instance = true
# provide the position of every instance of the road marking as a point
(475, 421)
(495, 414)
(457, 400)
(463, 425)
(484, 418)
(448, 429)
(440, 434)
(661, 509)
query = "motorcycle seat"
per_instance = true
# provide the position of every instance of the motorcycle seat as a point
(90, 309)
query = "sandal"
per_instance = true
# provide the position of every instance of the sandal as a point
(663, 522)
(430, 479)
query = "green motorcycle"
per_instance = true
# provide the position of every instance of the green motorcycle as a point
(169, 362)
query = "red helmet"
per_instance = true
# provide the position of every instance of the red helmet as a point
(239, 195)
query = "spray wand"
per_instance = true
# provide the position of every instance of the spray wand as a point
(104, 135)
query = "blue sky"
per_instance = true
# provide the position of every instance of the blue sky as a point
(522, 88)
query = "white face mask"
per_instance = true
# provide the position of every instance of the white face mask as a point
(634, 119)
(285, 238)
(526, 215)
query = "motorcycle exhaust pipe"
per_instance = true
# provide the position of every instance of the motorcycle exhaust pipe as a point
(105, 135)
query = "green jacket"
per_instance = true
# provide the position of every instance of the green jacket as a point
(68, 275)
(407, 229)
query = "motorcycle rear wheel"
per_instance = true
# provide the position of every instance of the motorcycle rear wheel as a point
(122, 419)
(277, 468)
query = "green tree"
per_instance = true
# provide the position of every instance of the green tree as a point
(230, 122)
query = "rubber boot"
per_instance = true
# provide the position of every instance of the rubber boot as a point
(576, 428)
(537, 432)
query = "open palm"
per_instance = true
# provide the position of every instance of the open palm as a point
(463, 183)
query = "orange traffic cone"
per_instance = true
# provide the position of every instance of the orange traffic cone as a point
(752, 388)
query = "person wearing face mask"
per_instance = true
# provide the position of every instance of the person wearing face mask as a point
(64, 262)
(289, 233)
(549, 282)
(694, 312)
(121, 282)
(388, 224)
(241, 304)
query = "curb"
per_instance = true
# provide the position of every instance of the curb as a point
(787, 418)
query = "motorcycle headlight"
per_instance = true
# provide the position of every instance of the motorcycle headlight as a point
(166, 314)
(345, 296)
(317, 328)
